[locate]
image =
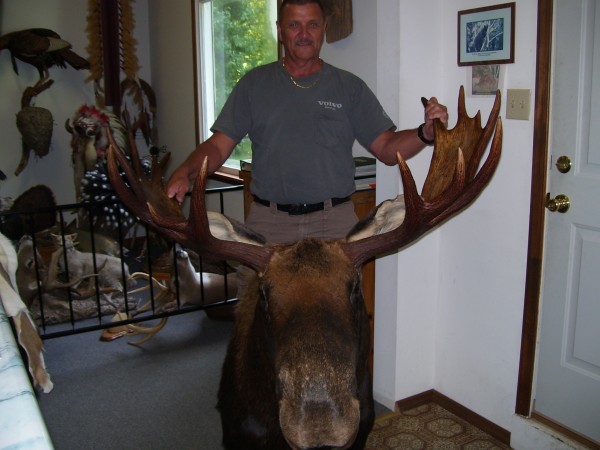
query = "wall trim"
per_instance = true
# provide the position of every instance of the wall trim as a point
(432, 396)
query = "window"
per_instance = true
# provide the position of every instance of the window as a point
(233, 37)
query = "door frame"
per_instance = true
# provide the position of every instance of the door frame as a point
(535, 250)
(533, 281)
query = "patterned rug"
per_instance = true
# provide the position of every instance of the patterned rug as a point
(428, 427)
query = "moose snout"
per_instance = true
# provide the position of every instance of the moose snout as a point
(320, 424)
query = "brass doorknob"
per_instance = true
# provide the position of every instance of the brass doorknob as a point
(559, 203)
(563, 164)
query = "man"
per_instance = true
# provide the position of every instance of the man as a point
(302, 116)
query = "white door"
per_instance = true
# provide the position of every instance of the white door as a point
(568, 373)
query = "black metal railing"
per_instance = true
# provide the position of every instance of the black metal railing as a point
(47, 267)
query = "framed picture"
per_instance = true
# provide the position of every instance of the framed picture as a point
(486, 35)
(485, 79)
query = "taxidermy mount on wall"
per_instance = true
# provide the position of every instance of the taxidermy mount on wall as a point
(42, 48)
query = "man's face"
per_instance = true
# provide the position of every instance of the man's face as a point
(301, 31)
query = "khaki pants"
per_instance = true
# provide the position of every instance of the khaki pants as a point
(280, 227)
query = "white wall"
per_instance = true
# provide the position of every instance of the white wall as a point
(173, 75)
(479, 312)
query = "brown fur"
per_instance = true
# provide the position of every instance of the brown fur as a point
(297, 366)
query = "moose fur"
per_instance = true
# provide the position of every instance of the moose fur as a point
(296, 368)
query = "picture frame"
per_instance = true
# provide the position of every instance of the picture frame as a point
(485, 79)
(486, 35)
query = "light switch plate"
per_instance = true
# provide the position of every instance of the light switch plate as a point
(518, 104)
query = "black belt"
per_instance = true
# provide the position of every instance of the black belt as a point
(296, 209)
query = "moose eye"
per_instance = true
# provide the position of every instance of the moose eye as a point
(264, 298)
(355, 290)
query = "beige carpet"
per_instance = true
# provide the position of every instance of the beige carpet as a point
(428, 427)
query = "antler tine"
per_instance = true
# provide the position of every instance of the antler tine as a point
(159, 166)
(364, 249)
(485, 136)
(135, 155)
(113, 147)
(135, 201)
(198, 217)
(480, 180)
(455, 187)
(206, 244)
(197, 206)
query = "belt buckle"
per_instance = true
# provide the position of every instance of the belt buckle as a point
(298, 209)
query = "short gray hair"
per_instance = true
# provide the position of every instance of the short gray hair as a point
(298, 2)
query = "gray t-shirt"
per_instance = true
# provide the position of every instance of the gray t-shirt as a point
(302, 138)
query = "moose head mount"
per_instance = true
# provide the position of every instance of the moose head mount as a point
(296, 371)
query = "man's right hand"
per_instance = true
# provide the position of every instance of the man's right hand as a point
(216, 148)
(178, 184)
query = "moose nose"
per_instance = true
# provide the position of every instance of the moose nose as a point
(320, 426)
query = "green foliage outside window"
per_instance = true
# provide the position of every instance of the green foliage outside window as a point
(243, 38)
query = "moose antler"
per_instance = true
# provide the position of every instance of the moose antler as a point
(468, 136)
(147, 199)
(452, 183)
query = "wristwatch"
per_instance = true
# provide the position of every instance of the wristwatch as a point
(422, 136)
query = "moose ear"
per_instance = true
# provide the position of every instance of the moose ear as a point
(387, 216)
(226, 229)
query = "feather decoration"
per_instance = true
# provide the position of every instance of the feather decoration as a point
(94, 50)
(94, 47)
(129, 60)
(138, 101)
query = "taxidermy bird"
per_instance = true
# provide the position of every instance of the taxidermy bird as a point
(42, 48)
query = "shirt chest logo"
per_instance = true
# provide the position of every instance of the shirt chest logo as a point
(330, 105)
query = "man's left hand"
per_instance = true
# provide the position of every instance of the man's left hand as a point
(434, 110)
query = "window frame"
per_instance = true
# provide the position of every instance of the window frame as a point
(203, 98)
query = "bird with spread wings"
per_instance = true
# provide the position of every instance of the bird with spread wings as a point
(42, 48)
